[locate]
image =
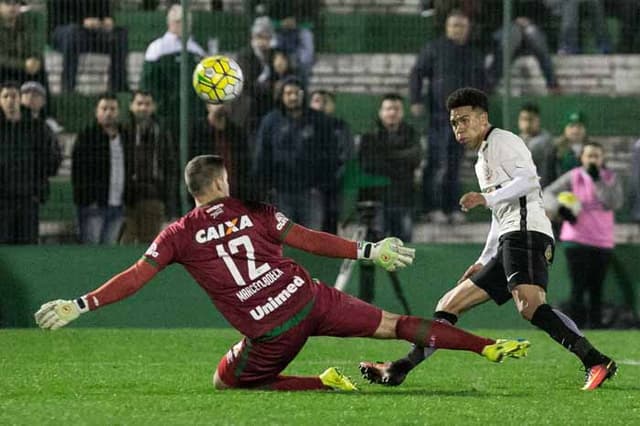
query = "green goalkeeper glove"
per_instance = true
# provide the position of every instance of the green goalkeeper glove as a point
(388, 253)
(58, 313)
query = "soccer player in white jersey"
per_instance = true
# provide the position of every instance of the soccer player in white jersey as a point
(519, 249)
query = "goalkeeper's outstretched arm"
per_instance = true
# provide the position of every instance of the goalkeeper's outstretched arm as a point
(389, 253)
(58, 313)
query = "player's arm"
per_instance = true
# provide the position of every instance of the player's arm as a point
(389, 253)
(523, 181)
(489, 251)
(58, 313)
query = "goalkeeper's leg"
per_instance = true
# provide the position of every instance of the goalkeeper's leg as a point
(459, 299)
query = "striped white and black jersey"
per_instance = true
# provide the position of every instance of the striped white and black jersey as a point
(508, 179)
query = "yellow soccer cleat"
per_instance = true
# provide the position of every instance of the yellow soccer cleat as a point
(503, 348)
(333, 378)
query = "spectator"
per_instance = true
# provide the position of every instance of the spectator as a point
(98, 172)
(33, 96)
(628, 14)
(151, 196)
(324, 101)
(18, 59)
(216, 134)
(526, 38)
(294, 40)
(392, 150)
(161, 71)
(26, 162)
(81, 26)
(296, 156)
(449, 62)
(589, 231)
(538, 141)
(281, 68)
(568, 146)
(634, 181)
(255, 60)
(569, 11)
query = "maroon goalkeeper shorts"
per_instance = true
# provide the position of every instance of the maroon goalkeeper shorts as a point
(256, 362)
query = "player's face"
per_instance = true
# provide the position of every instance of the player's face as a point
(292, 96)
(458, 29)
(391, 113)
(469, 125)
(107, 112)
(528, 123)
(10, 101)
(592, 155)
(142, 106)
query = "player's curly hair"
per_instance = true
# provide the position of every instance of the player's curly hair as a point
(201, 171)
(468, 96)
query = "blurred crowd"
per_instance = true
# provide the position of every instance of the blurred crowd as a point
(283, 139)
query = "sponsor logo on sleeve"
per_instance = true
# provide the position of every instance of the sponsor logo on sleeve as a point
(282, 221)
(152, 250)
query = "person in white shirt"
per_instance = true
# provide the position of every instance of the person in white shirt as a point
(519, 249)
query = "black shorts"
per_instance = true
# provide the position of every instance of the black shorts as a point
(522, 258)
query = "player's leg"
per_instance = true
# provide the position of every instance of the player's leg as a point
(456, 301)
(527, 265)
(257, 364)
(488, 283)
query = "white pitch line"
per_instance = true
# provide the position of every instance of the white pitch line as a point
(629, 362)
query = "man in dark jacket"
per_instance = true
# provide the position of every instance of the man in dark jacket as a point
(152, 176)
(98, 173)
(216, 134)
(255, 60)
(449, 63)
(392, 150)
(297, 156)
(27, 159)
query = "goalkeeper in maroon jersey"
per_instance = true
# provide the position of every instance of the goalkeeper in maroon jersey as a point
(233, 250)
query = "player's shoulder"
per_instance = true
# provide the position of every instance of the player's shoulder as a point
(501, 139)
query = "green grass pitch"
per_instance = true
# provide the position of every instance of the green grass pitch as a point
(163, 377)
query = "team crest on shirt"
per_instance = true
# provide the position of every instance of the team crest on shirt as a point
(488, 173)
(223, 229)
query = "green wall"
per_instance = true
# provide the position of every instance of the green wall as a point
(30, 276)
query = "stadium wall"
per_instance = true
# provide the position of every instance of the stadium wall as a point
(30, 276)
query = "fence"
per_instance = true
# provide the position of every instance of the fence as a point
(76, 165)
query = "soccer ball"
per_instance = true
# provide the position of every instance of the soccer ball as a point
(217, 79)
(569, 200)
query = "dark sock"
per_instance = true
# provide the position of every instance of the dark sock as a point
(420, 353)
(435, 334)
(564, 331)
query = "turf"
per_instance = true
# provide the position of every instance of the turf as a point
(140, 376)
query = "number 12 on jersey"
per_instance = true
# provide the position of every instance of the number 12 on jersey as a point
(234, 247)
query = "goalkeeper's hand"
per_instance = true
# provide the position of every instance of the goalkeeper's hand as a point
(58, 313)
(389, 253)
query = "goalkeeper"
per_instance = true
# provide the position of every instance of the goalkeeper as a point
(233, 250)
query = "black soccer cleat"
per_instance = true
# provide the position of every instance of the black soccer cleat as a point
(382, 373)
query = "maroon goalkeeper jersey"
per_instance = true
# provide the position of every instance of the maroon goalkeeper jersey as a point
(233, 249)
